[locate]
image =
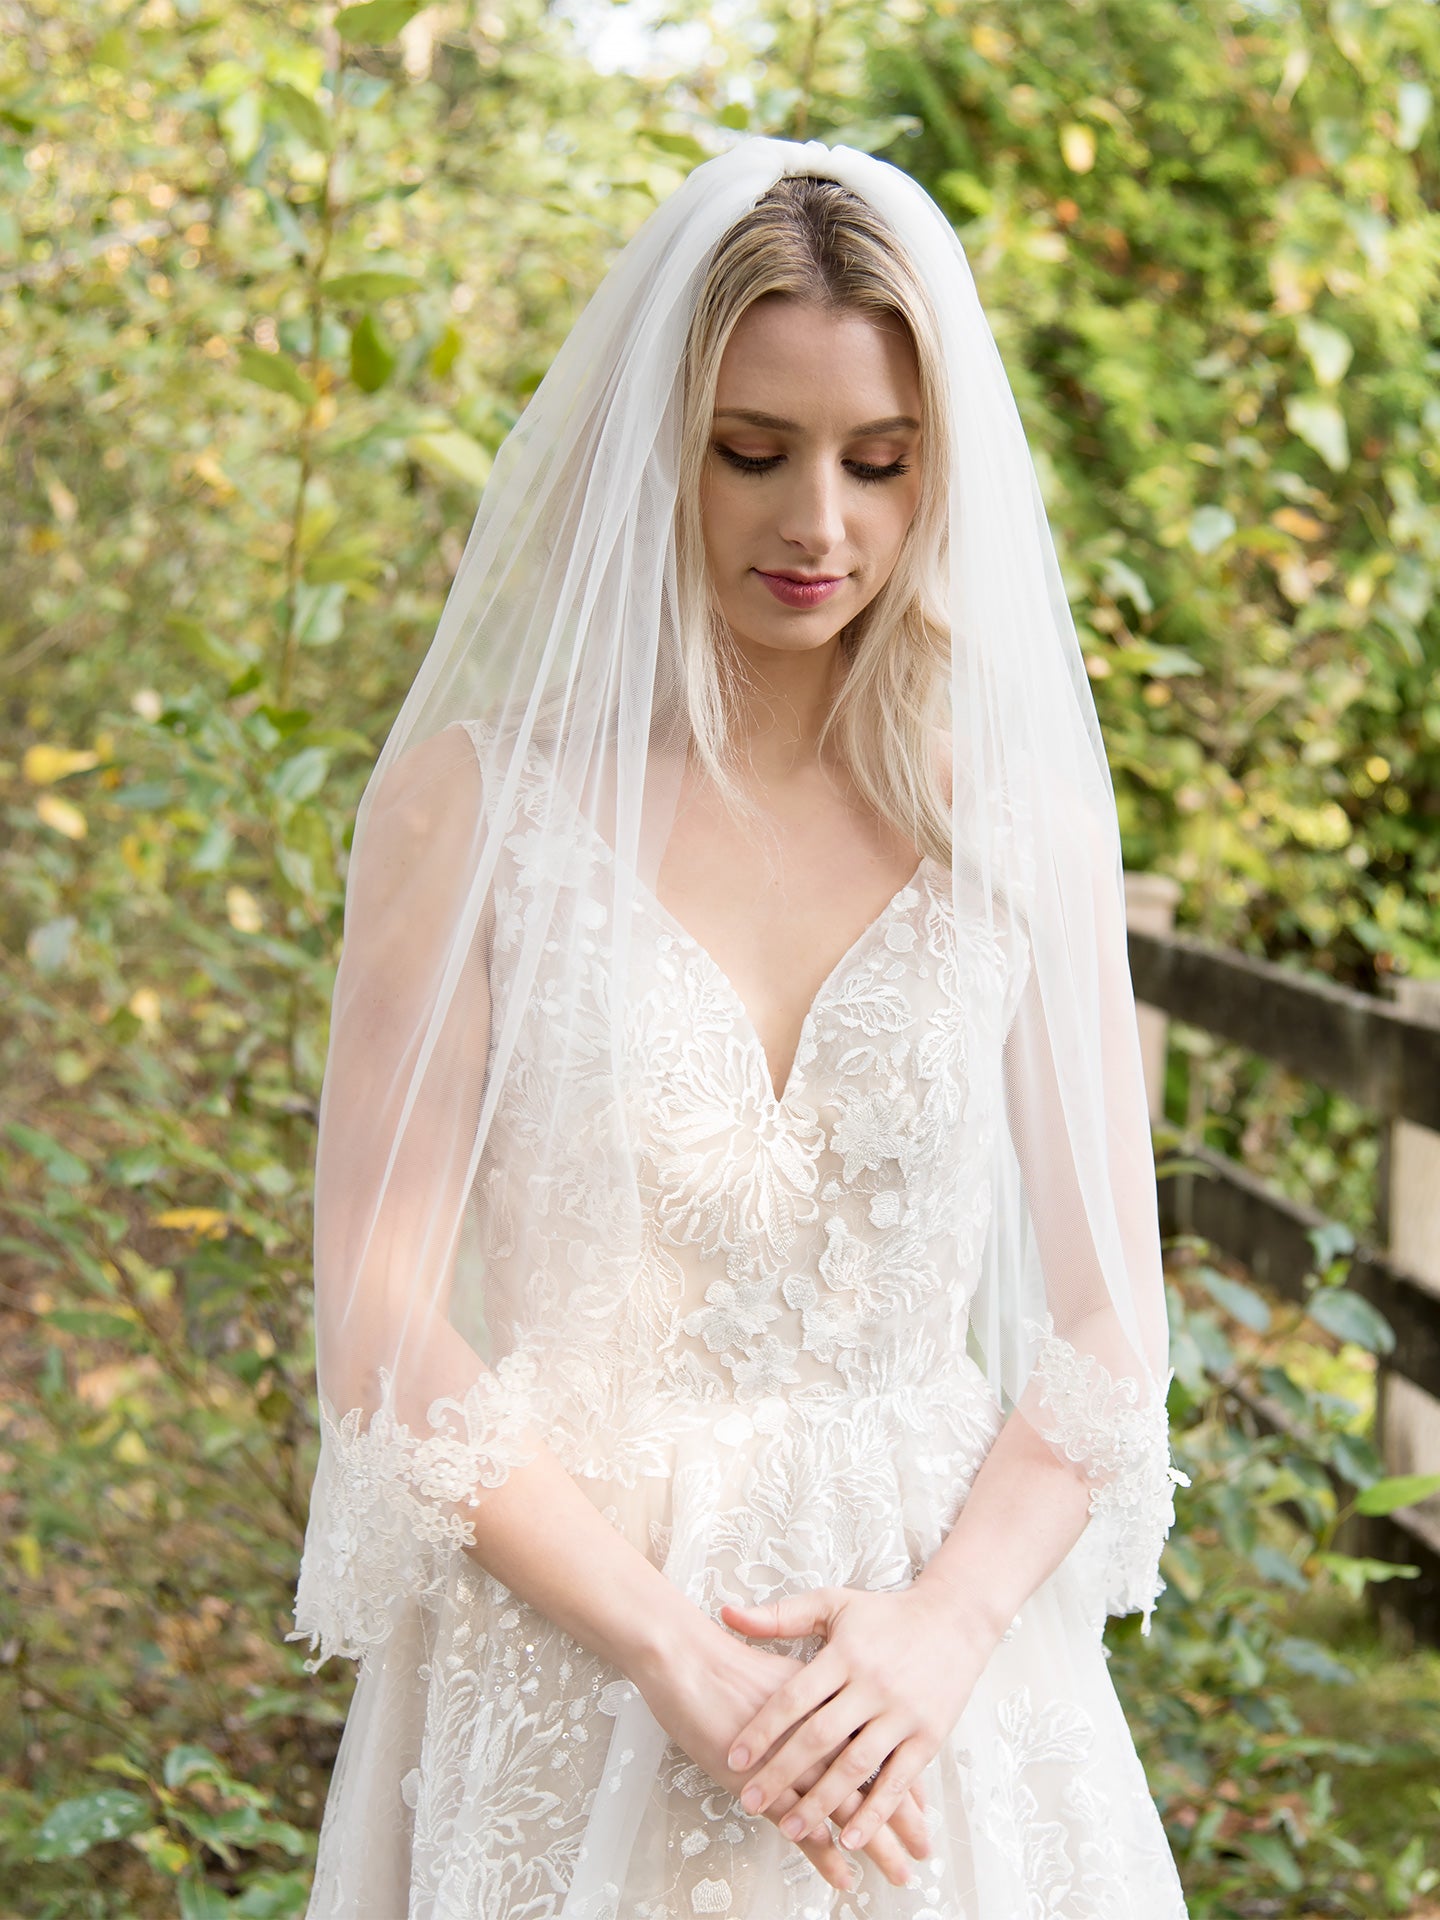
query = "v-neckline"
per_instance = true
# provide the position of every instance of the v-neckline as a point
(752, 1031)
(703, 953)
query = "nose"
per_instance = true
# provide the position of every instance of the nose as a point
(811, 513)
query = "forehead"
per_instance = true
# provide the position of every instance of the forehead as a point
(790, 358)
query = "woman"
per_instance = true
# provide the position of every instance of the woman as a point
(740, 1328)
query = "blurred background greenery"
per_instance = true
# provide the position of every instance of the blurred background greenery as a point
(275, 279)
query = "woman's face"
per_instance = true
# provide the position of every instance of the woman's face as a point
(813, 473)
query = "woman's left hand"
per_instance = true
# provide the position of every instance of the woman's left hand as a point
(886, 1689)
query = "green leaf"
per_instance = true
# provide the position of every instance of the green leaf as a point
(1355, 1574)
(684, 146)
(304, 115)
(1308, 1657)
(275, 371)
(300, 777)
(445, 351)
(1272, 1853)
(191, 1762)
(371, 360)
(319, 612)
(1349, 1316)
(1321, 425)
(375, 21)
(1210, 527)
(88, 1325)
(1242, 1303)
(1122, 582)
(75, 1826)
(1278, 1568)
(214, 849)
(1329, 1241)
(1415, 101)
(1400, 1490)
(369, 283)
(1328, 349)
(451, 455)
(199, 641)
(200, 1901)
(63, 1167)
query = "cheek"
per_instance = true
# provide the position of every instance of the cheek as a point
(726, 520)
(891, 523)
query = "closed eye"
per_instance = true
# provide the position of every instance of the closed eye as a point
(861, 470)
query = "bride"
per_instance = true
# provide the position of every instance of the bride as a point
(740, 1326)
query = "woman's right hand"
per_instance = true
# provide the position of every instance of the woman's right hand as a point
(703, 1695)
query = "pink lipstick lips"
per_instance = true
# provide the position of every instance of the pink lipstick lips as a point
(793, 592)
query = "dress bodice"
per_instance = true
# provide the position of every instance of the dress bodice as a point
(809, 1249)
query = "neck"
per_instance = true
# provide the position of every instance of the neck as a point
(783, 702)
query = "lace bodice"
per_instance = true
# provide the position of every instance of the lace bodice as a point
(820, 1244)
(777, 1270)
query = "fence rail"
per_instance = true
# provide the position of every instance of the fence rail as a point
(1383, 1057)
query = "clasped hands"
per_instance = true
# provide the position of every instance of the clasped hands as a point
(878, 1699)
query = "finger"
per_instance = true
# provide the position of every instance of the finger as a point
(884, 1848)
(908, 1823)
(820, 1849)
(791, 1618)
(882, 1800)
(867, 1753)
(829, 1728)
(783, 1712)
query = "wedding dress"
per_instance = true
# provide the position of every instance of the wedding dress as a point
(787, 1401)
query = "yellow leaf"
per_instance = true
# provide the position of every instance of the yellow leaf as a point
(144, 1003)
(62, 816)
(131, 1449)
(1304, 526)
(243, 910)
(27, 1552)
(1077, 144)
(207, 1222)
(207, 468)
(62, 501)
(42, 765)
(992, 44)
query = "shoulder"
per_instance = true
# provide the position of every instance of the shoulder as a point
(426, 802)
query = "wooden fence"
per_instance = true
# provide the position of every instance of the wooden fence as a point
(1385, 1056)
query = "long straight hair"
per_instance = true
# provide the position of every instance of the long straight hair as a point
(812, 240)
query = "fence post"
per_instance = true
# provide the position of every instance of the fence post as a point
(1150, 908)
(1407, 1419)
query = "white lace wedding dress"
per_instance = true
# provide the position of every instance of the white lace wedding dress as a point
(789, 1405)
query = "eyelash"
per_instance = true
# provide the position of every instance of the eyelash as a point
(866, 475)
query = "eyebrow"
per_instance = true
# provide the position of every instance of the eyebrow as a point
(789, 426)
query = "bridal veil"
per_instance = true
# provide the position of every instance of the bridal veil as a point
(557, 649)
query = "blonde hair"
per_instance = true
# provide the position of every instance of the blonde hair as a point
(810, 239)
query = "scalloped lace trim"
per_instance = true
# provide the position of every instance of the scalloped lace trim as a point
(1100, 1423)
(384, 1513)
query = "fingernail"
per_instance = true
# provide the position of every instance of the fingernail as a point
(751, 1799)
(791, 1826)
(850, 1837)
(739, 1758)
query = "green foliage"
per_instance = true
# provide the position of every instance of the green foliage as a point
(1207, 239)
(1264, 1803)
(272, 297)
(274, 284)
